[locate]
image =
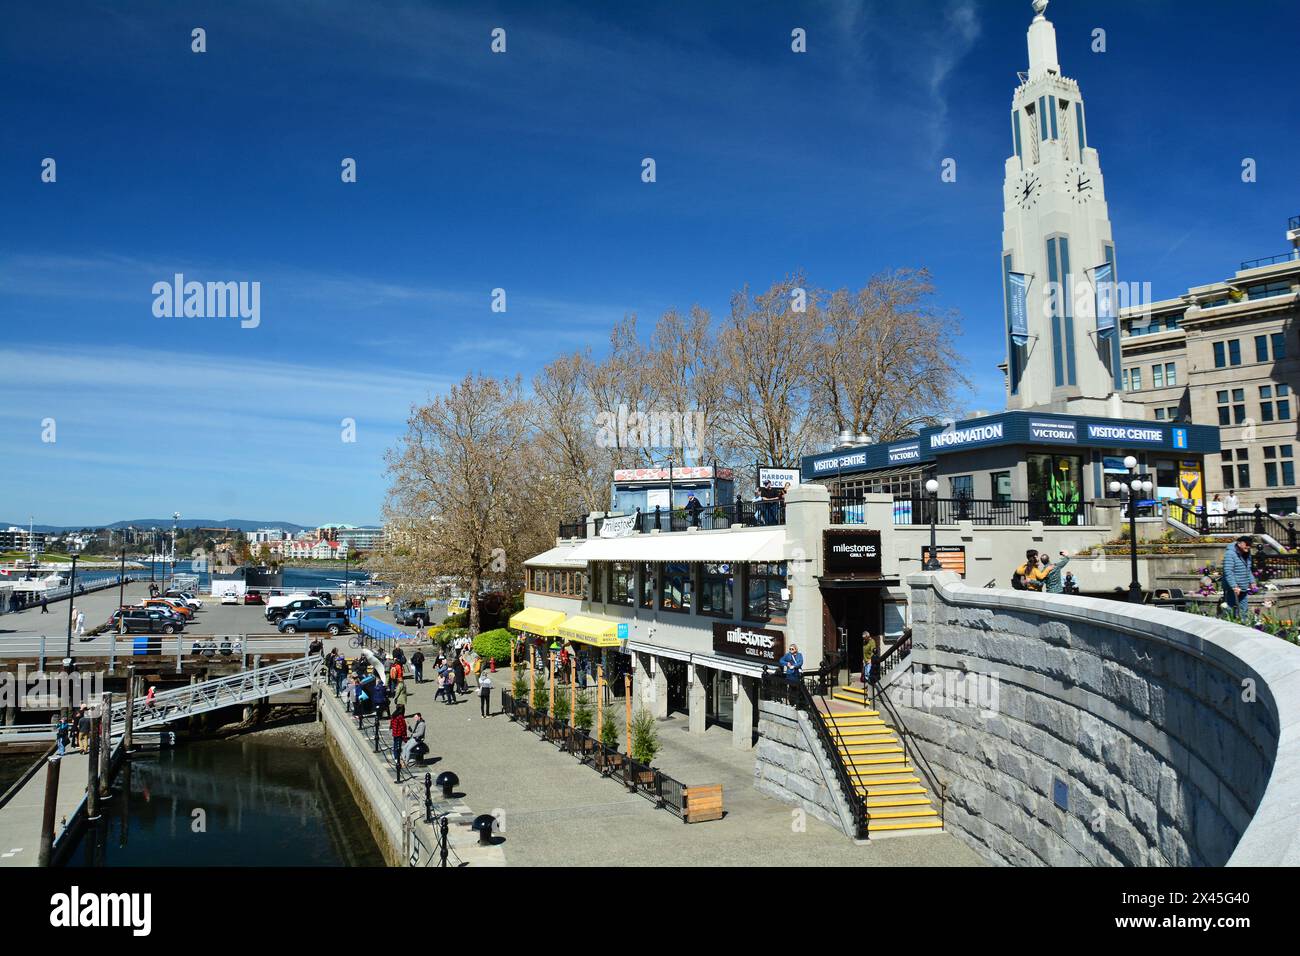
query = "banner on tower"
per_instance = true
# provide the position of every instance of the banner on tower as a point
(1104, 277)
(1017, 309)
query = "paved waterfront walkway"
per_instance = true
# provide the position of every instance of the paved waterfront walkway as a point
(20, 818)
(556, 812)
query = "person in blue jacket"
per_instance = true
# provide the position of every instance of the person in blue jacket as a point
(792, 664)
(1238, 577)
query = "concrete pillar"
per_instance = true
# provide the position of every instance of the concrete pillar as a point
(659, 703)
(696, 699)
(807, 515)
(744, 713)
(641, 678)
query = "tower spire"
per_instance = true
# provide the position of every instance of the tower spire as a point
(1042, 44)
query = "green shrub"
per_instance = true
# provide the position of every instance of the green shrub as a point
(519, 688)
(541, 694)
(494, 645)
(459, 619)
(645, 737)
(561, 706)
(609, 731)
(583, 715)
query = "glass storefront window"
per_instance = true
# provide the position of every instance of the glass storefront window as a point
(622, 583)
(716, 587)
(675, 594)
(1056, 488)
(763, 584)
(648, 583)
(1001, 488)
(597, 578)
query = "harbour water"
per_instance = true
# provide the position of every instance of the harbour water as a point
(251, 801)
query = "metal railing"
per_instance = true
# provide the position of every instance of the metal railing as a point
(714, 518)
(113, 648)
(983, 511)
(577, 528)
(1270, 260)
(799, 695)
(896, 654)
(911, 752)
(1257, 521)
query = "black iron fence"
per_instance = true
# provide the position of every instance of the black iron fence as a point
(662, 790)
(706, 518)
(576, 528)
(922, 510)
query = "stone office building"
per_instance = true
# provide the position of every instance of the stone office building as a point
(1226, 354)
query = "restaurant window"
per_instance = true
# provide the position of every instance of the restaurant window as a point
(763, 585)
(1055, 487)
(716, 587)
(675, 594)
(597, 578)
(648, 584)
(622, 583)
(579, 584)
(1001, 488)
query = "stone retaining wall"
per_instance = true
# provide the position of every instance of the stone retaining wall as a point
(791, 765)
(1171, 739)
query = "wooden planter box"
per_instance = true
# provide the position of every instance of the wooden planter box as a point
(703, 803)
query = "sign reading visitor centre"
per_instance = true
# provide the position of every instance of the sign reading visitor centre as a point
(754, 643)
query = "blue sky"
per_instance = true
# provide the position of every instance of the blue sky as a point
(522, 171)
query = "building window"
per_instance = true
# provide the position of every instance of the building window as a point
(1234, 352)
(648, 584)
(1220, 359)
(1126, 386)
(1058, 268)
(1171, 374)
(597, 577)
(1276, 456)
(962, 486)
(1136, 378)
(1261, 348)
(716, 587)
(1232, 406)
(622, 583)
(1243, 474)
(763, 586)
(1160, 414)
(1279, 410)
(1268, 289)
(1227, 353)
(1227, 477)
(1001, 481)
(1279, 346)
(675, 594)
(1157, 376)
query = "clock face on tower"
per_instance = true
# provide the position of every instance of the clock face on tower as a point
(1079, 184)
(1028, 190)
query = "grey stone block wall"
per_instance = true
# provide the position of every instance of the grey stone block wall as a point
(791, 765)
(1177, 738)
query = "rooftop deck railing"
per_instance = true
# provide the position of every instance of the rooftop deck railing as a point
(921, 510)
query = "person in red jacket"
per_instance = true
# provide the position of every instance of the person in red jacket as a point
(397, 724)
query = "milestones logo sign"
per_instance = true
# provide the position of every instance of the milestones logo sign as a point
(753, 643)
(851, 552)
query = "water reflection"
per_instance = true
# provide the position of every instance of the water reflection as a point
(244, 802)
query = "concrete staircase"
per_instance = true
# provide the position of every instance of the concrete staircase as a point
(898, 799)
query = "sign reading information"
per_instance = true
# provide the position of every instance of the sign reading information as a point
(753, 643)
(851, 552)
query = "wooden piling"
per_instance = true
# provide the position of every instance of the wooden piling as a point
(47, 815)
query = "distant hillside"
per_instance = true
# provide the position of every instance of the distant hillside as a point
(239, 524)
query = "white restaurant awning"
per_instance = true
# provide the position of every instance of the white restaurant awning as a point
(757, 544)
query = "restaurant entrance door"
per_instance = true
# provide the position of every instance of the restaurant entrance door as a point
(849, 608)
(675, 675)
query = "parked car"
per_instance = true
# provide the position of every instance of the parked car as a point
(253, 597)
(276, 612)
(230, 598)
(187, 597)
(145, 620)
(177, 606)
(415, 613)
(329, 619)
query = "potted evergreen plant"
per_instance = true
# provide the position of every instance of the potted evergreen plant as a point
(645, 743)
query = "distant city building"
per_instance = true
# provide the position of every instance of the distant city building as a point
(1225, 354)
(18, 539)
(359, 539)
(266, 534)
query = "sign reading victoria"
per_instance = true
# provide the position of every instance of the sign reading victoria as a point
(753, 643)
(851, 552)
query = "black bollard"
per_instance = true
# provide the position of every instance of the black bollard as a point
(428, 798)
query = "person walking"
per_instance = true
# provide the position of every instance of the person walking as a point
(45, 604)
(400, 694)
(417, 664)
(83, 729)
(448, 687)
(397, 726)
(693, 509)
(869, 651)
(61, 735)
(1052, 581)
(485, 694)
(458, 668)
(1238, 578)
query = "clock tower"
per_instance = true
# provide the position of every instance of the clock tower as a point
(1058, 257)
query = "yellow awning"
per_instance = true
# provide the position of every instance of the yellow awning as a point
(537, 620)
(589, 630)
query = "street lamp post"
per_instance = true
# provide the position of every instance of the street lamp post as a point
(72, 589)
(176, 516)
(1135, 486)
(932, 488)
(121, 585)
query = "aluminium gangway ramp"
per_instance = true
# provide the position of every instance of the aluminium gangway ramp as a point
(242, 688)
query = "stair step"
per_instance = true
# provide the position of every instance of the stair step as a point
(892, 801)
(877, 767)
(848, 697)
(857, 692)
(886, 747)
(860, 730)
(870, 760)
(904, 825)
(885, 780)
(906, 813)
(856, 722)
(885, 790)
(838, 715)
